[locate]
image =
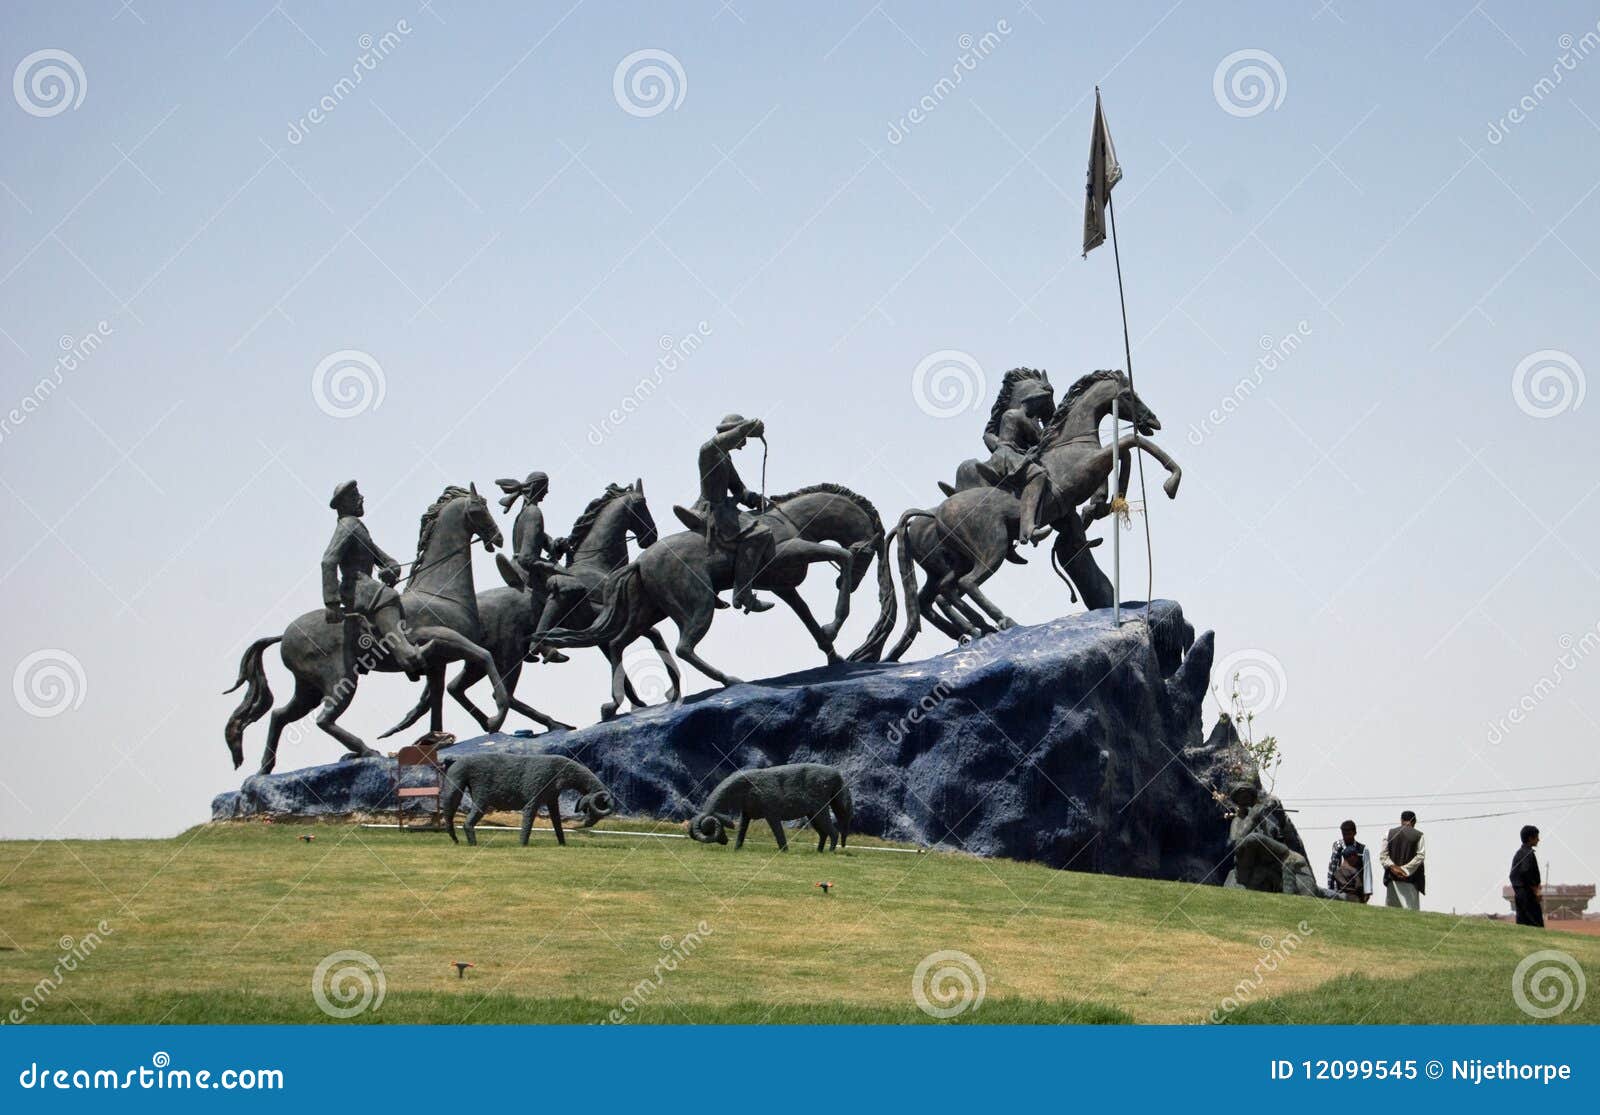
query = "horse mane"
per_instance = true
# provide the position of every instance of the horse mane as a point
(1075, 393)
(430, 519)
(585, 521)
(857, 498)
(1008, 389)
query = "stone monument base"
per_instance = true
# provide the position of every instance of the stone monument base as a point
(1071, 743)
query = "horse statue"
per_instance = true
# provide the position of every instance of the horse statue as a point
(530, 605)
(438, 610)
(680, 576)
(964, 540)
(1016, 425)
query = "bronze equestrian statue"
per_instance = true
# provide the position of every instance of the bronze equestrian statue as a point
(1016, 426)
(679, 577)
(964, 540)
(547, 595)
(438, 608)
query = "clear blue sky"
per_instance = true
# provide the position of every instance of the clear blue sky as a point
(1378, 520)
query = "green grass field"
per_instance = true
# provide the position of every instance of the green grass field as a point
(228, 923)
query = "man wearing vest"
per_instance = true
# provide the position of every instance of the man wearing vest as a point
(1403, 852)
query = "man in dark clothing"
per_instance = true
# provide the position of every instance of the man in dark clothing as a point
(1403, 852)
(1347, 845)
(1527, 887)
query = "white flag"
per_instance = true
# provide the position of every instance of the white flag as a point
(1104, 173)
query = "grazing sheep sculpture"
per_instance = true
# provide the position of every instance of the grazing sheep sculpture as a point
(778, 794)
(522, 782)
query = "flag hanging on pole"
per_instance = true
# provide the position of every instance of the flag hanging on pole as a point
(1104, 173)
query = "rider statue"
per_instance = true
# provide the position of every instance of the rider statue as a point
(1016, 429)
(348, 590)
(721, 493)
(529, 542)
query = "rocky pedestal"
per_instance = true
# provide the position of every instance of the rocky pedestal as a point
(1071, 742)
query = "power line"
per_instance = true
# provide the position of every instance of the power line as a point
(1442, 820)
(1461, 793)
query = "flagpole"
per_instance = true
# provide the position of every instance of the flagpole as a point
(1127, 352)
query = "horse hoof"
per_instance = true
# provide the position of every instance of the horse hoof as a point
(608, 712)
(731, 680)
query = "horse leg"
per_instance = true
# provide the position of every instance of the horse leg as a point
(469, 676)
(968, 621)
(691, 629)
(436, 690)
(303, 701)
(424, 703)
(933, 607)
(668, 661)
(550, 723)
(333, 706)
(797, 605)
(1139, 441)
(970, 585)
(450, 640)
(621, 688)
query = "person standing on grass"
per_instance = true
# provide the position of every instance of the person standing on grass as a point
(1356, 885)
(1527, 889)
(1402, 855)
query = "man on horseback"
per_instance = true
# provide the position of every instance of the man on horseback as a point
(529, 542)
(348, 591)
(721, 493)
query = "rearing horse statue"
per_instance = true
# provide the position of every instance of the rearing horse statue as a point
(964, 540)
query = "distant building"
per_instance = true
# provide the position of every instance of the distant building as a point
(1561, 902)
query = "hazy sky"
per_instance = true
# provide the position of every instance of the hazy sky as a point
(1393, 525)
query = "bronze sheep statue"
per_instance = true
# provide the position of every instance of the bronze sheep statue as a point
(524, 783)
(778, 794)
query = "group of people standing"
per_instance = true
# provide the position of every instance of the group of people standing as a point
(1403, 859)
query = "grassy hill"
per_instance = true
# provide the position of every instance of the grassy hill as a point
(227, 923)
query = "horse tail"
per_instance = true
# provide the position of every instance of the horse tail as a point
(620, 592)
(908, 581)
(872, 648)
(257, 697)
(450, 800)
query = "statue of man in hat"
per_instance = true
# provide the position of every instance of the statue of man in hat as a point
(348, 589)
(529, 542)
(721, 493)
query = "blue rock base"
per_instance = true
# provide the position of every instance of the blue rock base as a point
(1071, 742)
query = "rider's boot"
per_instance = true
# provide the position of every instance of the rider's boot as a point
(744, 595)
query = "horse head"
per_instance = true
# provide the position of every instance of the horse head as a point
(640, 521)
(1133, 408)
(480, 520)
(1089, 400)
